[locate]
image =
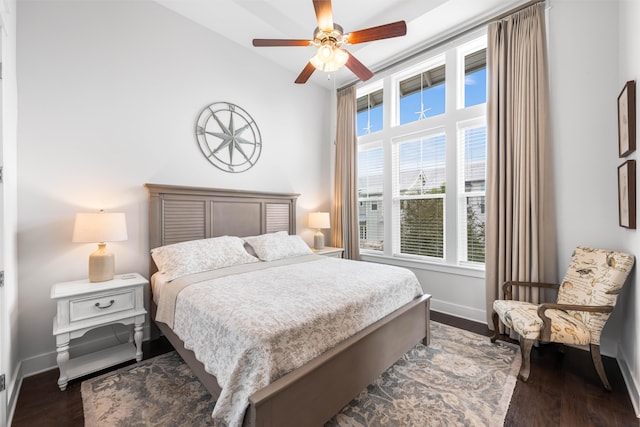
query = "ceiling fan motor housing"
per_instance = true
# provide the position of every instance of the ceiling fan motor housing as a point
(335, 37)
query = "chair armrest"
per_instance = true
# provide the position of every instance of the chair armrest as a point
(506, 287)
(545, 335)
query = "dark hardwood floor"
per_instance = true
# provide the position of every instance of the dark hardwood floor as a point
(563, 390)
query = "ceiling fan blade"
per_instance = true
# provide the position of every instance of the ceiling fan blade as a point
(324, 15)
(279, 42)
(358, 68)
(306, 73)
(394, 29)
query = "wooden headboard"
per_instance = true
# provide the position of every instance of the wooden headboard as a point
(178, 214)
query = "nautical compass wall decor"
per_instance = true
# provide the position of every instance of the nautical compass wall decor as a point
(228, 137)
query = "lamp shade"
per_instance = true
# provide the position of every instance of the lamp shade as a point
(99, 227)
(319, 220)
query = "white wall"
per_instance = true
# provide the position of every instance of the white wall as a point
(584, 89)
(629, 69)
(590, 59)
(109, 93)
(9, 312)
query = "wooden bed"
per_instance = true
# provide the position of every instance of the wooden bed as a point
(313, 393)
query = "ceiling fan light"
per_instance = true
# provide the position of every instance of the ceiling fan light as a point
(317, 62)
(325, 53)
(331, 62)
(340, 57)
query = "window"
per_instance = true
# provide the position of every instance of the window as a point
(475, 78)
(472, 176)
(370, 110)
(370, 180)
(424, 161)
(420, 190)
(422, 95)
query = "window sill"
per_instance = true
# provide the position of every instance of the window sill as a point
(459, 270)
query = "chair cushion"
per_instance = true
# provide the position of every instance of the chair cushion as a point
(523, 318)
(594, 277)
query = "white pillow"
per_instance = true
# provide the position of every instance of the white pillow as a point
(195, 256)
(274, 246)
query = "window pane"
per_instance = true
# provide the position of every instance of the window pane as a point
(421, 172)
(421, 166)
(474, 178)
(370, 207)
(422, 95)
(475, 155)
(475, 229)
(369, 113)
(475, 78)
(422, 227)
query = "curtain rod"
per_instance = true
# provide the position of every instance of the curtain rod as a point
(448, 39)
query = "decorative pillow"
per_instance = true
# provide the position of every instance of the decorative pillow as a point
(195, 256)
(274, 246)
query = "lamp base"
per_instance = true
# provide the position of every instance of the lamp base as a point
(101, 264)
(318, 240)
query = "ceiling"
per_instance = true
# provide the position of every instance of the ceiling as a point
(428, 21)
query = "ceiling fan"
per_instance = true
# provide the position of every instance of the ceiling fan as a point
(329, 38)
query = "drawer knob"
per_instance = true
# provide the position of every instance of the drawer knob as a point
(106, 306)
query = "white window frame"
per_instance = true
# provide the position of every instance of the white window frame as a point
(397, 198)
(452, 55)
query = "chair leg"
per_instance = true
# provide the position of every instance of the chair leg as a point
(597, 362)
(525, 350)
(496, 326)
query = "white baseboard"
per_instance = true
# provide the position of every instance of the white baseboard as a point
(632, 386)
(457, 310)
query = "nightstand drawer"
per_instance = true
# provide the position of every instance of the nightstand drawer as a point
(86, 308)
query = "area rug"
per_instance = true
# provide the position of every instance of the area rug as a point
(460, 379)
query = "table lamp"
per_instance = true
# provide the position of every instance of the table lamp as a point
(319, 220)
(100, 228)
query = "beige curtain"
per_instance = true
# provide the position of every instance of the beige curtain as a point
(345, 196)
(520, 227)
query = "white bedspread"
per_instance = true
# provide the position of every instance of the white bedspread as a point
(251, 328)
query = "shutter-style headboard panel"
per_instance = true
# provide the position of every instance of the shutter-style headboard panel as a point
(183, 220)
(178, 214)
(277, 217)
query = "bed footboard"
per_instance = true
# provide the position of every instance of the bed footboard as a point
(312, 394)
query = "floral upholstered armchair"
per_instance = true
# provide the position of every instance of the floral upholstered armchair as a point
(585, 301)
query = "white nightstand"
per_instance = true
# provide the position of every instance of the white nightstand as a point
(83, 306)
(329, 251)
